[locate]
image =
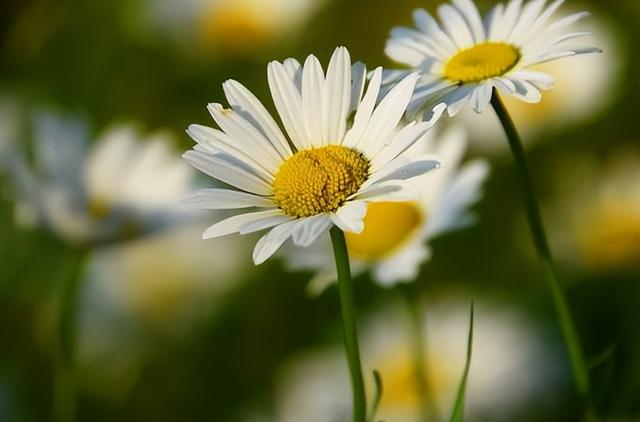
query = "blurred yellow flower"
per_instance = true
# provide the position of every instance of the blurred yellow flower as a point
(598, 220)
(510, 367)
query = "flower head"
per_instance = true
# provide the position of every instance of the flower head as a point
(464, 57)
(119, 189)
(326, 171)
(396, 235)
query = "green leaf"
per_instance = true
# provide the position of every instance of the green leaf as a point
(458, 409)
(377, 397)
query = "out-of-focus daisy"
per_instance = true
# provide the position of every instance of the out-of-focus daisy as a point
(150, 290)
(230, 26)
(396, 235)
(509, 368)
(327, 171)
(465, 56)
(575, 98)
(598, 220)
(123, 186)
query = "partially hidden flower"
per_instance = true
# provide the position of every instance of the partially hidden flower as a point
(313, 385)
(326, 171)
(465, 56)
(119, 188)
(396, 236)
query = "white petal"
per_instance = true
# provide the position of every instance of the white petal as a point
(288, 102)
(294, 70)
(403, 168)
(390, 190)
(404, 139)
(471, 14)
(313, 98)
(233, 224)
(481, 97)
(509, 19)
(358, 80)
(455, 25)
(492, 22)
(265, 223)
(539, 79)
(404, 266)
(309, 229)
(221, 168)
(212, 141)
(350, 217)
(219, 199)
(337, 95)
(530, 13)
(526, 91)
(387, 115)
(365, 108)
(427, 24)
(451, 211)
(240, 130)
(249, 107)
(270, 242)
(457, 98)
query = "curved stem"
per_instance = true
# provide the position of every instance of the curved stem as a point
(65, 388)
(576, 355)
(429, 408)
(345, 286)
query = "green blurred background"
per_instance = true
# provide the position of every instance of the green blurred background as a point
(166, 347)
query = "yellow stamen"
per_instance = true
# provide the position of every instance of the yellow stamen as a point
(319, 180)
(482, 61)
(387, 226)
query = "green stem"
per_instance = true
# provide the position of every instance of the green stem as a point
(576, 355)
(345, 286)
(429, 408)
(65, 386)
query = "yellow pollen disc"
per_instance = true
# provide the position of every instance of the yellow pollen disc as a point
(319, 180)
(387, 226)
(482, 61)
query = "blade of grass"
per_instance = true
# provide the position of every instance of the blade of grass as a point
(377, 396)
(458, 409)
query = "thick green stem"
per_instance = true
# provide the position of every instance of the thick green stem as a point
(576, 355)
(65, 388)
(429, 408)
(345, 286)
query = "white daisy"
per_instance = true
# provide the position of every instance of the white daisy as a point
(465, 58)
(396, 235)
(327, 170)
(121, 188)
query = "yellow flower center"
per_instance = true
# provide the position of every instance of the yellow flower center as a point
(482, 61)
(319, 180)
(387, 226)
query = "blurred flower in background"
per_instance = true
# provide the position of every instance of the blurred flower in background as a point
(229, 27)
(122, 187)
(597, 211)
(396, 236)
(510, 367)
(151, 290)
(585, 85)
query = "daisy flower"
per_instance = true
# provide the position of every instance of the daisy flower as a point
(465, 56)
(326, 171)
(122, 187)
(396, 235)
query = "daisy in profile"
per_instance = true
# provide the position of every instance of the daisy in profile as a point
(325, 171)
(465, 56)
(124, 186)
(395, 240)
